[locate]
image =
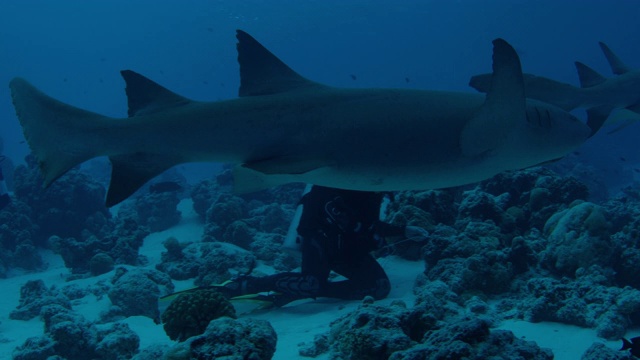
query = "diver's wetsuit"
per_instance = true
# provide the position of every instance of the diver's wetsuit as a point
(339, 229)
(4, 193)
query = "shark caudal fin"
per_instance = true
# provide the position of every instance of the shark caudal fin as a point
(503, 108)
(60, 136)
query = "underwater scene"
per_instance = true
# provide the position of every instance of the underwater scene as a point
(331, 179)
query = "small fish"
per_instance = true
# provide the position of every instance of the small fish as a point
(164, 187)
(353, 77)
(622, 158)
(633, 345)
(407, 80)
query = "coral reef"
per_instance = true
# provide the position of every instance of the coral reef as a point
(70, 207)
(121, 244)
(210, 263)
(397, 333)
(599, 351)
(227, 338)
(136, 292)
(157, 211)
(582, 302)
(34, 295)
(371, 332)
(577, 238)
(17, 239)
(256, 222)
(190, 313)
(69, 336)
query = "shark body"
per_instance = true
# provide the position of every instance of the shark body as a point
(284, 128)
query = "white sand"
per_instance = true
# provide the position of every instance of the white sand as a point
(295, 323)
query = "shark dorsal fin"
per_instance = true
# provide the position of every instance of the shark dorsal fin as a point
(617, 66)
(588, 76)
(504, 106)
(262, 73)
(146, 96)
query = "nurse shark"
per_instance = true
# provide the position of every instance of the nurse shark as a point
(285, 128)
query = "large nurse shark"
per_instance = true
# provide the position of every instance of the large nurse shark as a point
(285, 128)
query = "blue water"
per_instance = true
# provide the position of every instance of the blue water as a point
(73, 50)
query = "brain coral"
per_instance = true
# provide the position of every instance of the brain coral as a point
(191, 312)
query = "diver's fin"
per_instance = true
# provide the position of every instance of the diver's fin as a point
(61, 136)
(617, 66)
(588, 76)
(596, 116)
(130, 172)
(146, 96)
(262, 73)
(243, 303)
(626, 344)
(503, 108)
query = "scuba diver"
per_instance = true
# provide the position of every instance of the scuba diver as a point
(6, 177)
(338, 230)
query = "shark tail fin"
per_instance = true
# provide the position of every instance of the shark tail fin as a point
(617, 66)
(60, 136)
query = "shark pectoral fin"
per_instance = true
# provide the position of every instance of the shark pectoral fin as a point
(617, 66)
(588, 77)
(285, 165)
(247, 180)
(259, 175)
(130, 172)
(146, 96)
(622, 118)
(262, 73)
(596, 116)
(503, 108)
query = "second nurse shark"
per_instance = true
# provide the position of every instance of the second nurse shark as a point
(285, 128)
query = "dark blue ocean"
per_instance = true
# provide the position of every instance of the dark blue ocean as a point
(74, 50)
